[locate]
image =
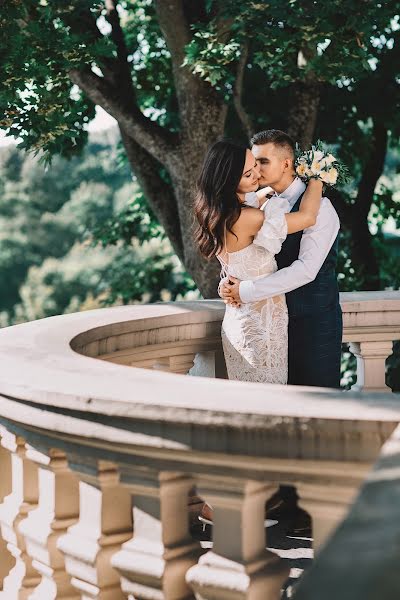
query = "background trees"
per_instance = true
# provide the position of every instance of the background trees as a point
(177, 74)
(76, 236)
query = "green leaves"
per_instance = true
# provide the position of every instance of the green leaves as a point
(335, 39)
(211, 58)
(135, 220)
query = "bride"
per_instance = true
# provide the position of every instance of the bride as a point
(245, 240)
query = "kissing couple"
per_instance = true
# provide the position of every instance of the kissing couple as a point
(277, 242)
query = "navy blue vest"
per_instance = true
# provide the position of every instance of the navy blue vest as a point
(320, 294)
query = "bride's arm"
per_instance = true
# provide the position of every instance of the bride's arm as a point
(262, 195)
(272, 225)
(309, 208)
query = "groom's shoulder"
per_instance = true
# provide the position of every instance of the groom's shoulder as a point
(327, 215)
(327, 205)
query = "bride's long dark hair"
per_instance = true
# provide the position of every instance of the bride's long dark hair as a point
(217, 204)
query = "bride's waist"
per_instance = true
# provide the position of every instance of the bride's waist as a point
(243, 275)
(274, 303)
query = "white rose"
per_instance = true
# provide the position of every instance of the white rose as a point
(316, 167)
(330, 159)
(332, 175)
(324, 177)
(318, 155)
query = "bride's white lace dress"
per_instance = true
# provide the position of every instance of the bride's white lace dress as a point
(255, 336)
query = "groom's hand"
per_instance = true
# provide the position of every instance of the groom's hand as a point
(229, 292)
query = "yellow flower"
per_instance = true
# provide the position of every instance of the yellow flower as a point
(301, 169)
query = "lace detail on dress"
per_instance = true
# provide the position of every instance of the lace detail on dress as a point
(255, 336)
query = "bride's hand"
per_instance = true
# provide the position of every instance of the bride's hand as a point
(230, 292)
(315, 184)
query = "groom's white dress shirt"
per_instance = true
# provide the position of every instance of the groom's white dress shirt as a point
(315, 244)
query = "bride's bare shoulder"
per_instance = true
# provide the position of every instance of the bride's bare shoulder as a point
(249, 221)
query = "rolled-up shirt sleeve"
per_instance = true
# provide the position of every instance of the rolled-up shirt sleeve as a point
(315, 244)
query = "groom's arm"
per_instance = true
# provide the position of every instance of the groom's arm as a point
(315, 244)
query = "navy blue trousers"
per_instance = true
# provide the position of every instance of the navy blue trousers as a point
(315, 346)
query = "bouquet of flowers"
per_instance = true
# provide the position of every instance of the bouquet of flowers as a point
(319, 163)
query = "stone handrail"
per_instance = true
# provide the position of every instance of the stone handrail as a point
(81, 437)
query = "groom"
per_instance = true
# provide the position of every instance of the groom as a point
(306, 274)
(306, 271)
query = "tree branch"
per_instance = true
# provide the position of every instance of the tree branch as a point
(117, 35)
(158, 194)
(159, 142)
(83, 23)
(237, 93)
(175, 29)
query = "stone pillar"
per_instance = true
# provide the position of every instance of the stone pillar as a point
(105, 522)
(23, 578)
(7, 561)
(57, 510)
(154, 562)
(327, 506)
(239, 566)
(371, 368)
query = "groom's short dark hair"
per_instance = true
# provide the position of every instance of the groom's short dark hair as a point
(274, 136)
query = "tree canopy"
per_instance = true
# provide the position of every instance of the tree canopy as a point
(178, 74)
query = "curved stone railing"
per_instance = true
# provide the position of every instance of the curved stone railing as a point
(85, 440)
(371, 322)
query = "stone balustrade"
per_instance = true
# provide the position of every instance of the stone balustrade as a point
(97, 457)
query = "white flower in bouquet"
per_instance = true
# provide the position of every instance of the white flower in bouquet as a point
(316, 167)
(318, 155)
(330, 177)
(330, 159)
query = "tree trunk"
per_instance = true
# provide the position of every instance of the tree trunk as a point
(173, 205)
(205, 273)
(363, 255)
(304, 111)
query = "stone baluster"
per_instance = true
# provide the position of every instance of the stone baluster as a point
(181, 364)
(209, 364)
(371, 364)
(105, 522)
(239, 565)
(154, 562)
(23, 578)
(57, 509)
(327, 505)
(7, 561)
